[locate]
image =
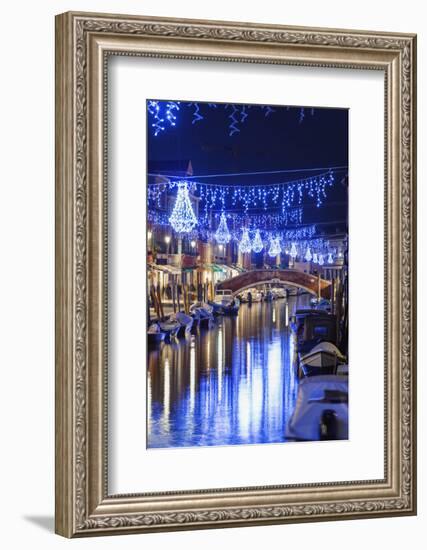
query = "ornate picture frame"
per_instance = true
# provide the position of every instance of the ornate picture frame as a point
(84, 42)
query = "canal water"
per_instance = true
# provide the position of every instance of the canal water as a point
(232, 384)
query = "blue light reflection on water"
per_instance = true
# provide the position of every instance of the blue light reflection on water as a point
(231, 385)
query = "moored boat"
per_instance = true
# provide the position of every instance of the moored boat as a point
(250, 296)
(185, 321)
(321, 410)
(203, 312)
(155, 335)
(321, 304)
(170, 327)
(225, 303)
(268, 297)
(233, 308)
(323, 358)
(279, 292)
(313, 326)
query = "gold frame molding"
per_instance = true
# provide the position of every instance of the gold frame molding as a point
(83, 43)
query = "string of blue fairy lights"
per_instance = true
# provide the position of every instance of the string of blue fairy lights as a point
(283, 195)
(163, 114)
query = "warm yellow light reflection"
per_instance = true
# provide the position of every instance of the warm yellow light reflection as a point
(166, 392)
(220, 352)
(192, 375)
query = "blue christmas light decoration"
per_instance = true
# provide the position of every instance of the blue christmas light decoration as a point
(268, 221)
(293, 253)
(153, 108)
(267, 110)
(157, 218)
(321, 260)
(285, 196)
(222, 234)
(155, 193)
(275, 247)
(196, 112)
(183, 218)
(245, 242)
(166, 111)
(330, 259)
(308, 256)
(162, 112)
(171, 107)
(243, 114)
(233, 128)
(315, 259)
(257, 244)
(301, 233)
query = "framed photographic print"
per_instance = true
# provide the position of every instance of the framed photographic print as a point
(235, 274)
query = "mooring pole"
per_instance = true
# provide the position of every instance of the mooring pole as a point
(160, 302)
(174, 293)
(287, 312)
(333, 296)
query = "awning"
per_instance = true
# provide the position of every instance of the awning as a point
(217, 268)
(169, 269)
(226, 267)
(214, 267)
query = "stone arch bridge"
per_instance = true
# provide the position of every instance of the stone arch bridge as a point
(290, 277)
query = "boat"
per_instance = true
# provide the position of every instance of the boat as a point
(185, 321)
(203, 312)
(232, 309)
(321, 410)
(225, 303)
(342, 369)
(278, 293)
(196, 321)
(155, 335)
(321, 304)
(313, 326)
(170, 327)
(251, 295)
(268, 297)
(323, 358)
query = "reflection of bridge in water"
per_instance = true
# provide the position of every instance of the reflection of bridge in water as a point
(290, 277)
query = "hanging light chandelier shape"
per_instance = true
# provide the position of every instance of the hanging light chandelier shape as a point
(308, 255)
(245, 242)
(321, 260)
(222, 234)
(330, 259)
(315, 259)
(257, 244)
(294, 252)
(275, 248)
(183, 218)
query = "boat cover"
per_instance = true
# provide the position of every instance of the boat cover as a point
(327, 347)
(312, 400)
